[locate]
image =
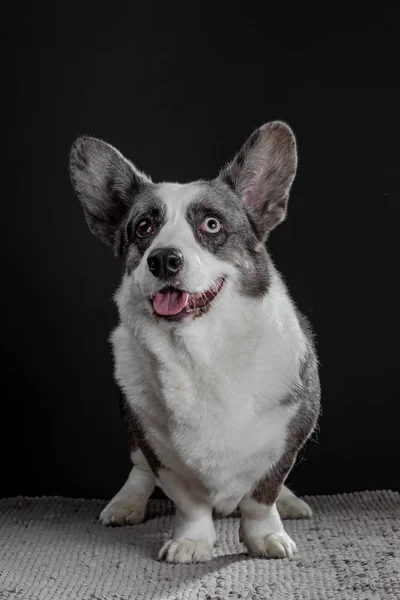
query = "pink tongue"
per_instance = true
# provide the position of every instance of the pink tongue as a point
(170, 303)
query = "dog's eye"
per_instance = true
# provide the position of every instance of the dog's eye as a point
(211, 225)
(144, 227)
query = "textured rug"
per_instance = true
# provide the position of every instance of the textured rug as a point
(54, 548)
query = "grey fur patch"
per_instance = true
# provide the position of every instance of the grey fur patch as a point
(267, 490)
(262, 174)
(307, 396)
(309, 389)
(147, 205)
(135, 435)
(237, 242)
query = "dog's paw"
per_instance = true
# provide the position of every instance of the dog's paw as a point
(275, 545)
(128, 511)
(185, 551)
(292, 507)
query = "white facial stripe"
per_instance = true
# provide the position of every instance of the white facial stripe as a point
(176, 231)
(178, 196)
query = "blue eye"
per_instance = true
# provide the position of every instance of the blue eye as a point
(211, 225)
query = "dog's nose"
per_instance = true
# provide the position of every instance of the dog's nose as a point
(165, 262)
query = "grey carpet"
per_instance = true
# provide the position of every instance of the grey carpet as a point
(54, 548)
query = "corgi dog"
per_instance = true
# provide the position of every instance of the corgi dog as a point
(217, 367)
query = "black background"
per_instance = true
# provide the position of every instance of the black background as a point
(178, 89)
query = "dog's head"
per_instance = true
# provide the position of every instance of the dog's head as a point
(183, 245)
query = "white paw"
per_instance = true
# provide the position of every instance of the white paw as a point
(293, 507)
(128, 511)
(275, 545)
(185, 551)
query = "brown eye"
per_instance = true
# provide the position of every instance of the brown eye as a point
(145, 227)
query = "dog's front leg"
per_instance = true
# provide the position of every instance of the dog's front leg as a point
(261, 528)
(194, 534)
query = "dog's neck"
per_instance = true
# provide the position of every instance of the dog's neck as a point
(230, 334)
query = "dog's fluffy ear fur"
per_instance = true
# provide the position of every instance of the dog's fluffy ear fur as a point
(262, 174)
(105, 183)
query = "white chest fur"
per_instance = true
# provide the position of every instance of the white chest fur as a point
(208, 393)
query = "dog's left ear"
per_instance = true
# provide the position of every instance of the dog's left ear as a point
(262, 174)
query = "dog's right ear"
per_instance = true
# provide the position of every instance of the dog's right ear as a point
(106, 184)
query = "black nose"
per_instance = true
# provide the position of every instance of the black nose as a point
(165, 262)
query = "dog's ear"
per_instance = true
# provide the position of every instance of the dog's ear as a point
(262, 174)
(106, 184)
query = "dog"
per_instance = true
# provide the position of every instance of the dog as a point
(217, 367)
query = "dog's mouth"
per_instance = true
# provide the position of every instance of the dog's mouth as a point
(173, 304)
